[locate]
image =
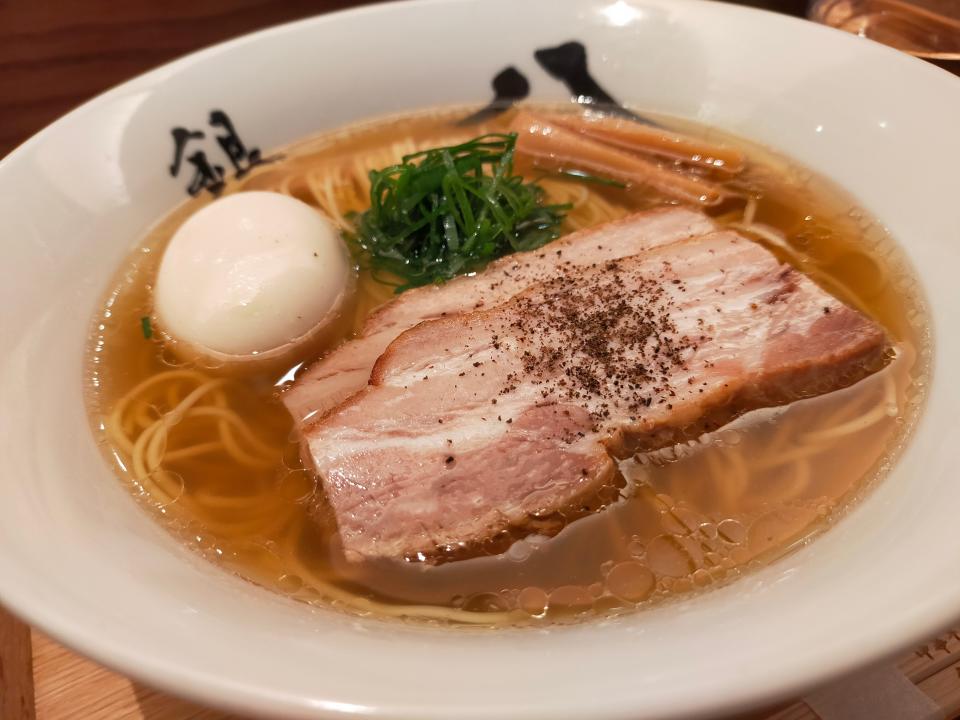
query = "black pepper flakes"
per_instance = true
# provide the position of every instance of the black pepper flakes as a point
(586, 343)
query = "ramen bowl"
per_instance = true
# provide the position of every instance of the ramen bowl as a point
(82, 561)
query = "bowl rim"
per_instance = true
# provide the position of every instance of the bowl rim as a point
(929, 617)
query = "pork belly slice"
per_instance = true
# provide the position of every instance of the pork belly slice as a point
(347, 369)
(482, 423)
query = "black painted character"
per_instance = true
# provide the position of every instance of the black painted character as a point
(568, 64)
(207, 175)
(241, 158)
(509, 86)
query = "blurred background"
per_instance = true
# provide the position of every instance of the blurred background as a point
(55, 54)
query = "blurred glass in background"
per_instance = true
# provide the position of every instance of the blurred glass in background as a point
(926, 28)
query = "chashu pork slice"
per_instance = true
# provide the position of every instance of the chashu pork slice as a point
(478, 424)
(347, 369)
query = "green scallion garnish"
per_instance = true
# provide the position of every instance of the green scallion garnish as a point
(448, 211)
(146, 328)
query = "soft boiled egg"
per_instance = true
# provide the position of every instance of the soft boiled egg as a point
(253, 276)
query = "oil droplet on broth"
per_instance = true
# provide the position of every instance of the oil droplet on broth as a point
(519, 551)
(533, 601)
(636, 548)
(708, 530)
(631, 581)
(732, 531)
(572, 597)
(702, 578)
(289, 584)
(666, 555)
(484, 602)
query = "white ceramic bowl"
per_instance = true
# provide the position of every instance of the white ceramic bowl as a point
(79, 559)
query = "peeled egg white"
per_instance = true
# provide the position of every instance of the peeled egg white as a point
(251, 276)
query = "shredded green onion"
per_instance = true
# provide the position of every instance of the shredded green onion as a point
(448, 211)
(146, 328)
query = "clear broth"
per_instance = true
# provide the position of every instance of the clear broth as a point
(692, 517)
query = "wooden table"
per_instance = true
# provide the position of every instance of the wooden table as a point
(55, 54)
(41, 680)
